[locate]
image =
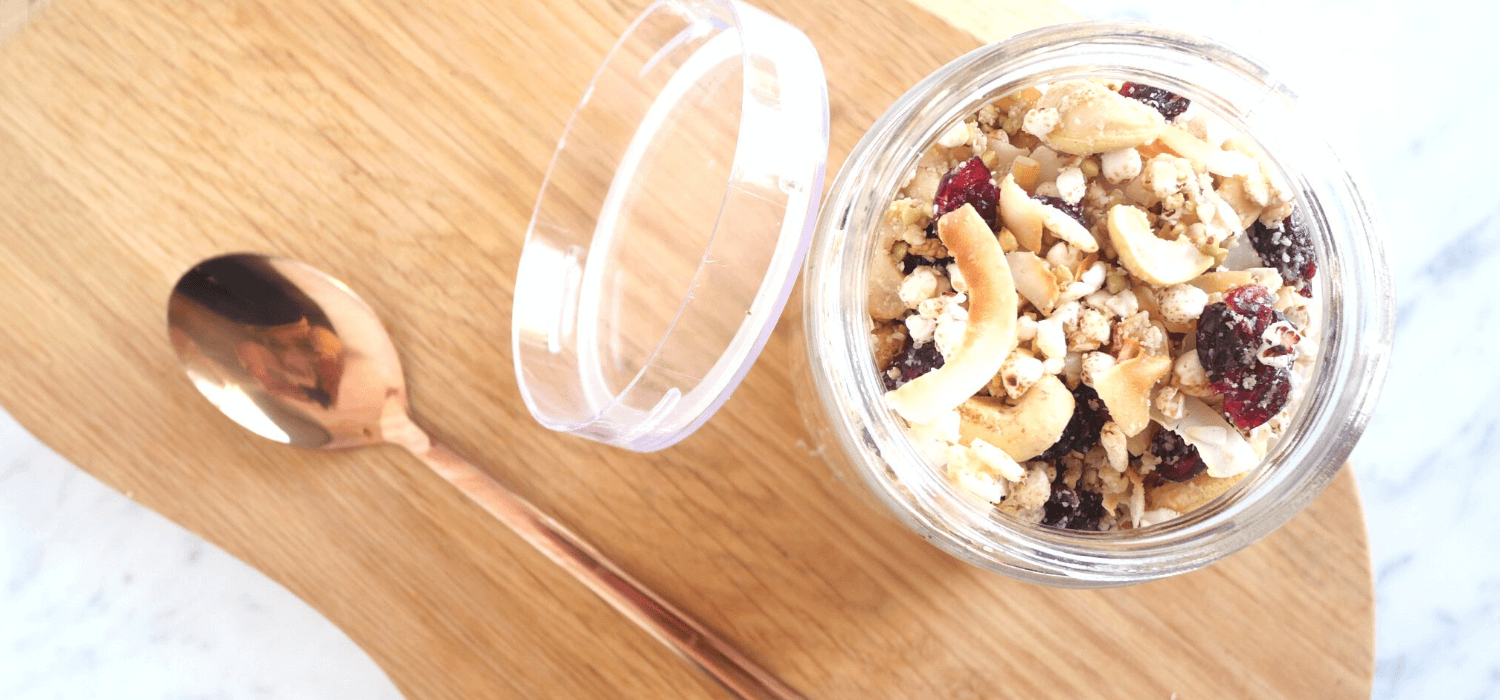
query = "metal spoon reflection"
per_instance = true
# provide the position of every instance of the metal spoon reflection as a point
(295, 356)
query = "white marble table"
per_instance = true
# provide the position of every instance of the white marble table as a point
(100, 598)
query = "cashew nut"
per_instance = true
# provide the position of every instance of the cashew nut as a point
(1094, 119)
(1159, 262)
(1024, 430)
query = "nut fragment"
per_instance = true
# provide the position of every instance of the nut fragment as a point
(1159, 262)
(991, 330)
(884, 299)
(887, 340)
(1094, 119)
(1024, 430)
(1025, 171)
(1126, 390)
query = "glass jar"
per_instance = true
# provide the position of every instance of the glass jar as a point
(842, 396)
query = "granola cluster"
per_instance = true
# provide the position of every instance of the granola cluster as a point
(1091, 303)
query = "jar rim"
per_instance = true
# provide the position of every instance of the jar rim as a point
(1356, 288)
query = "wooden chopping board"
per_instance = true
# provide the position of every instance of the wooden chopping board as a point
(399, 145)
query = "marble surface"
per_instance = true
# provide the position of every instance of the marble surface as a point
(101, 598)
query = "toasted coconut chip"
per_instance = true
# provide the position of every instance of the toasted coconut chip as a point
(1024, 430)
(1153, 149)
(1160, 262)
(1021, 214)
(1034, 280)
(1223, 449)
(1189, 495)
(991, 331)
(1026, 218)
(1218, 162)
(1138, 443)
(1067, 228)
(1126, 387)
(1225, 280)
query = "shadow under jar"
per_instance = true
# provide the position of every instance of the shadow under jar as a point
(843, 400)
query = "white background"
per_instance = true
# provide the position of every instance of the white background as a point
(100, 598)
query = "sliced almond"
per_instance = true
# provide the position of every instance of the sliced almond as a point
(1021, 214)
(1219, 162)
(1024, 430)
(991, 331)
(1126, 387)
(1160, 262)
(1034, 280)
(1095, 119)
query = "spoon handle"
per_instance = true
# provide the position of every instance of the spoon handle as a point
(667, 624)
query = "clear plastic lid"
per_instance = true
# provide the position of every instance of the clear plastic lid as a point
(672, 223)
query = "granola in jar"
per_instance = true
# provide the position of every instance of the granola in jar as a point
(1092, 304)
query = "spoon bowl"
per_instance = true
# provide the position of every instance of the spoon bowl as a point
(287, 351)
(295, 356)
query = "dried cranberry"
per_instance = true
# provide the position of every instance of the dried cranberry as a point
(1258, 397)
(1073, 510)
(1229, 332)
(1179, 460)
(1073, 210)
(911, 262)
(969, 183)
(1229, 342)
(1287, 248)
(1170, 104)
(1082, 431)
(915, 361)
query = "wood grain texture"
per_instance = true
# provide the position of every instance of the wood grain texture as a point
(399, 146)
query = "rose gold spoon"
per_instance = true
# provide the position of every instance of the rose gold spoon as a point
(295, 356)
